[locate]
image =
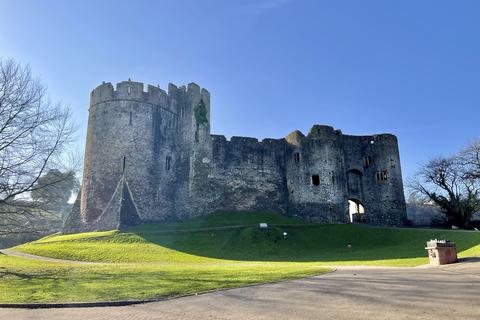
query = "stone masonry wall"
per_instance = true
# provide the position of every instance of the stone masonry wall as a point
(319, 154)
(376, 159)
(130, 132)
(247, 175)
(160, 144)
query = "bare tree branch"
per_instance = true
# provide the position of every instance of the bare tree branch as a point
(34, 136)
(449, 184)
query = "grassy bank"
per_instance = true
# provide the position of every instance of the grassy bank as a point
(189, 242)
(219, 251)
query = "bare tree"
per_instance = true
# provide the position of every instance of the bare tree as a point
(34, 135)
(470, 159)
(446, 183)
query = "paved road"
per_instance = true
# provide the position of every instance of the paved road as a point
(34, 257)
(451, 292)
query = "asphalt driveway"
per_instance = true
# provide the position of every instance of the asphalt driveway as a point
(448, 292)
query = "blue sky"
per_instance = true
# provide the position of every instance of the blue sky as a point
(405, 67)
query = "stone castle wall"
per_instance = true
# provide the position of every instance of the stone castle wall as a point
(381, 190)
(319, 154)
(247, 175)
(160, 144)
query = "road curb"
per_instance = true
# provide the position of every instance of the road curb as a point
(74, 304)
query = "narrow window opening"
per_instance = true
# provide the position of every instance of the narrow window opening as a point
(296, 156)
(368, 161)
(124, 164)
(168, 160)
(196, 135)
(130, 119)
(382, 175)
(129, 90)
(392, 163)
(316, 180)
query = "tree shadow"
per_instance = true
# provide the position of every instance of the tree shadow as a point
(4, 273)
(316, 243)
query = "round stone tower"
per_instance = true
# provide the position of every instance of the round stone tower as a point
(129, 155)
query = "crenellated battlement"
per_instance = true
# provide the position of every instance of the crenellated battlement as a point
(131, 90)
(236, 142)
(246, 151)
(297, 137)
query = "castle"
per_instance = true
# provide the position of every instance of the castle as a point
(150, 157)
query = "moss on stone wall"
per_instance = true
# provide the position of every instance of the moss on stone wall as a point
(200, 112)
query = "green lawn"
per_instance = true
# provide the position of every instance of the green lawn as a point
(28, 281)
(152, 261)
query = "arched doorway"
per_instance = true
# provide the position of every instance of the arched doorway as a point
(356, 211)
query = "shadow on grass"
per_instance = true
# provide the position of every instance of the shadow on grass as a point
(4, 273)
(313, 243)
(469, 260)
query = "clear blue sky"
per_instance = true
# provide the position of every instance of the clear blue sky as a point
(411, 68)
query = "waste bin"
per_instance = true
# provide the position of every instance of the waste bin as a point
(441, 252)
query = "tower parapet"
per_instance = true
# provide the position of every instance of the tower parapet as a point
(134, 91)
